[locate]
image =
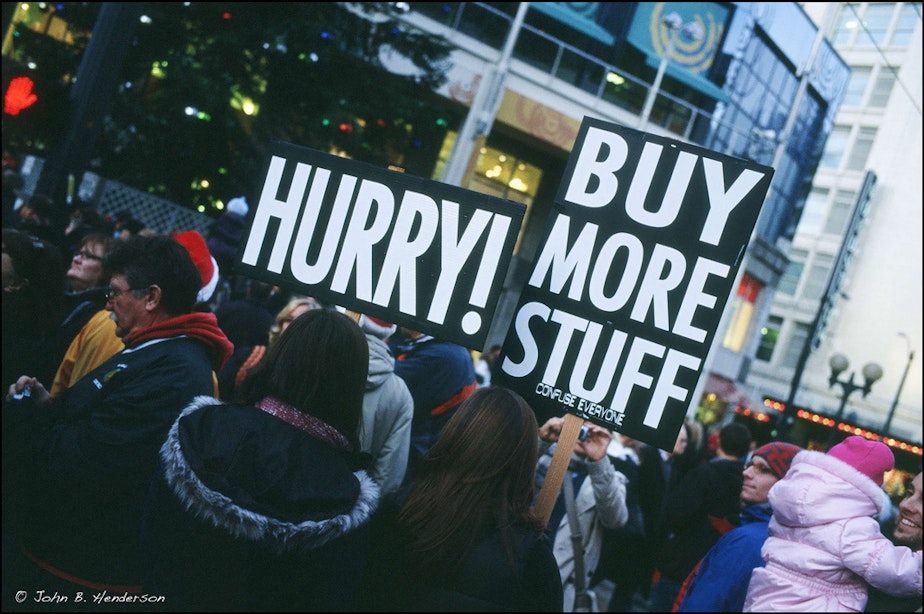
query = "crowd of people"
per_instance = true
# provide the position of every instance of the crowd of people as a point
(188, 439)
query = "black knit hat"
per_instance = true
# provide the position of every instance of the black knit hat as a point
(32, 258)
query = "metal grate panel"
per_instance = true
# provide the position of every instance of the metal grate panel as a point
(156, 213)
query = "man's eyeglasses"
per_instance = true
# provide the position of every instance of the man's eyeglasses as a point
(114, 293)
(87, 255)
(760, 468)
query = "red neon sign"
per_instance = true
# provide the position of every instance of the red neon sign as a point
(19, 96)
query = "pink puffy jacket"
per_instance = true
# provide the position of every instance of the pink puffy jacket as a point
(825, 543)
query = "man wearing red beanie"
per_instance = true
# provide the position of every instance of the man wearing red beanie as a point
(720, 582)
(825, 543)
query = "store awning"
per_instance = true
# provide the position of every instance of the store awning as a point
(728, 392)
(690, 79)
(561, 11)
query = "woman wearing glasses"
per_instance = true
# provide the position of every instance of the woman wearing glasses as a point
(86, 336)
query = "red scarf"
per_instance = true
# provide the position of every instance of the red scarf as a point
(202, 326)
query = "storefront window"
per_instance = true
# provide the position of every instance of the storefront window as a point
(742, 313)
(505, 176)
(769, 335)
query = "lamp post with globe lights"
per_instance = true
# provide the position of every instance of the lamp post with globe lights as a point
(901, 384)
(839, 363)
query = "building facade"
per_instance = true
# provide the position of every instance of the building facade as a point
(870, 309)
(753, 80)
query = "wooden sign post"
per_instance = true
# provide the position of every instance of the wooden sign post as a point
(558, 467)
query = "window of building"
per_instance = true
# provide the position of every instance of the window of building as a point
(835, 147)
(847, 25)
(841, 210)
(859, 80)
(742, 313)
(904, 26)
(769, 335)
(505, 176)
(875, 25)
(817, 278)
(814, 211)
(795, 344)
(882, 89)
(789, 281)
(502, 174)
(862, 145)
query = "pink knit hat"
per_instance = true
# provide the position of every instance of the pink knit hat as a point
(871, 458)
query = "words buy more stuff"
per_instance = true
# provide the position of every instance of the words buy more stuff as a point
(641, 252)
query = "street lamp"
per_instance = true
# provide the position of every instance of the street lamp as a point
(901, 384)
(675, 25)
(839, 363)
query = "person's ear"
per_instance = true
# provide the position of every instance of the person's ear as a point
(152, 298)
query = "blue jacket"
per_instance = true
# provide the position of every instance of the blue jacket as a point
(721, 583)
(223, 240)
(439, 374)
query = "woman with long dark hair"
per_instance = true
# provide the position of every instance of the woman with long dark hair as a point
(462, 535)
(265, 505)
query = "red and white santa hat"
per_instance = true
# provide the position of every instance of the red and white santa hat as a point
(376, 327)
(202, 258)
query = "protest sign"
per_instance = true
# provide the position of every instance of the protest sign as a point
(415, 252)
(641, 251)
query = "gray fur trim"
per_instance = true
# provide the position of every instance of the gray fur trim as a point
(219, 511)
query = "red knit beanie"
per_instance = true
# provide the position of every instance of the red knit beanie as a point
(778, 455)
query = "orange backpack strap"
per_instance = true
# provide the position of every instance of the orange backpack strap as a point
(685, 586)
(721, 525)
(454, 400)
(254, 358)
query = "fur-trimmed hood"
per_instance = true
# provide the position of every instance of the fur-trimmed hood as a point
(241, 470)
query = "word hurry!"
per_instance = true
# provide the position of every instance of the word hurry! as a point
(415, 252)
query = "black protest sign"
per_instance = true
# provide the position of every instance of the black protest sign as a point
(415, 252)
(641, 251)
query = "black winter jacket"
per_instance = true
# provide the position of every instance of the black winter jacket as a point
(76, 474)
(703, 504)
(250, 513)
